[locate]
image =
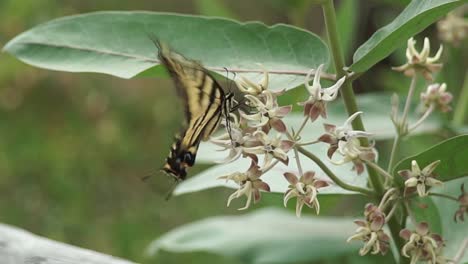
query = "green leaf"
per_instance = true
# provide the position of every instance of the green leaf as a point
(117, 43)
(425, 210)
(453, 233)
(414, 18)
(376, 108)
(265, 236)
(452, 154)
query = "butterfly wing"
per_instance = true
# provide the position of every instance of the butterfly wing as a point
(203, 100)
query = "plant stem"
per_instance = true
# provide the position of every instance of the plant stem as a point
(308, 143)
(461, 251)
(461, 108)
(444, 196)
(423, 117)
(347, 89)
(378, 169)
(298, 162)
(396, 142)
(297, 134)
(332, 176)
(407, 104)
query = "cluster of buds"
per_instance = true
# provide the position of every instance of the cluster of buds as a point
(422, 245)
(371, 231)
(346, 141)
(436, 96)
(420, 180)
(454, 27)
(248, 135)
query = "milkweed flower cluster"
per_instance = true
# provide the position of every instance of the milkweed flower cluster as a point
(249, 135)
(260, 131)
(262, 135)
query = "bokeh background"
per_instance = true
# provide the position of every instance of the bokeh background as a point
(74, 146)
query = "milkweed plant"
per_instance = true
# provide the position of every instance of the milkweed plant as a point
(398, 218)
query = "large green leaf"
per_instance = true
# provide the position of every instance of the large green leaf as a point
(376, 108)
(265, 236)
(117, 43)
(452, 154)
(417, 15)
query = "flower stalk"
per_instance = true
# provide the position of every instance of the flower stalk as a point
(332, 176)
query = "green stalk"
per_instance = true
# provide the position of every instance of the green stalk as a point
(346, 90)
(347, 94)
(332, 176)
(459, 115)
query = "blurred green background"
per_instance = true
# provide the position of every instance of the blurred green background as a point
(74, 147)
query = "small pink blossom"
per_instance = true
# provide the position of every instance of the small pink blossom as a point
(371, 232)
(422, 245)
(419, 179)
(316, 104)
(249, 183)
(305, 189)
(271, 147)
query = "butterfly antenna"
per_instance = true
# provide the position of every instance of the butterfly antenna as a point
(146, 177)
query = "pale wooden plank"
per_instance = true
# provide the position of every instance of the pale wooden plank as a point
(21, 247)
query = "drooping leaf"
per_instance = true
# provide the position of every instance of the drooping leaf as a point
(452, 154)
(265, 236)
(413, 19)
(118, 43)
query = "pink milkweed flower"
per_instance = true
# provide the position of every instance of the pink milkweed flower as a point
(305, 189)
(316, 104)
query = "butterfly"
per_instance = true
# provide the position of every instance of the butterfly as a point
(204, 102)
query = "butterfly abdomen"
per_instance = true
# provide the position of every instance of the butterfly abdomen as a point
(179, 159)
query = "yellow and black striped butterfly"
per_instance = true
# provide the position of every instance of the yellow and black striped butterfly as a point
(204, 103)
